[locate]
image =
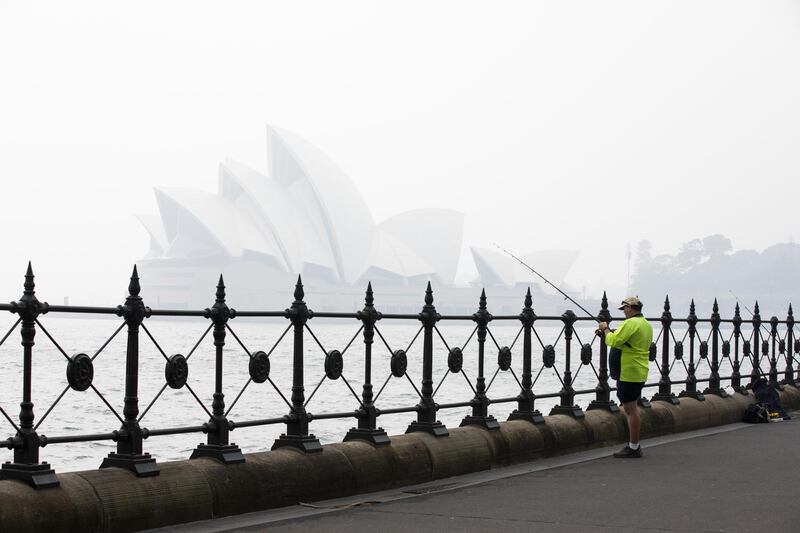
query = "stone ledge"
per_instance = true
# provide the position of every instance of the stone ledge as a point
(185, 491)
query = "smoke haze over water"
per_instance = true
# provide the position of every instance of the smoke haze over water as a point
(583, 126)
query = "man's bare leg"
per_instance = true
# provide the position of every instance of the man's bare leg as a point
(634, 422)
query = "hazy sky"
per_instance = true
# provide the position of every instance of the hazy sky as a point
(580, 125)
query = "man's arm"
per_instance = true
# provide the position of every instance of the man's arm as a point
(618, 338)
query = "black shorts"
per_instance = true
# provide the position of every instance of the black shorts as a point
(629, 391)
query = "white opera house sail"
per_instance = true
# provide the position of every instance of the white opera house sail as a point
(306, 217)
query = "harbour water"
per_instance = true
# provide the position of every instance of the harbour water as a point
(86, 412)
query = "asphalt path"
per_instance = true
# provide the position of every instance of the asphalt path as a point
(737, 478)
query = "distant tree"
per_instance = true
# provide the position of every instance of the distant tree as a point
(689, 255)
(716, 245)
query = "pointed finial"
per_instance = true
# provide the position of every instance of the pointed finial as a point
(604, 302)
(736, 310)
(133, 287)
(756, 308)
(482, 300)
(791, 313)
(666, 304)
(429, 295)
(29, 285)
(298, 289)
(528, 299)
(691, 307)
(715, 307)
(368, 299)
(221, 290)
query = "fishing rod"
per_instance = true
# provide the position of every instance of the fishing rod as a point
(743, 305)
(757, 360)
(749, 311)
(566, 296)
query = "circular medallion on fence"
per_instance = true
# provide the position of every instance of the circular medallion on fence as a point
(504, 358)
(259, 367)
(703, 349)
(549, 356)
(176, 371)
(781, 346)
(399, 363)
(653, 351)
(334, 364)
(764, 347)
(455, 360)
(586, 354)
(80, 372)
(726, 348)
(746, 348)
(678, 349)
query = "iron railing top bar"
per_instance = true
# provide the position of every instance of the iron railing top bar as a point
(335, 315)
(83, 309)
(261, 314)
(745, 320)
(400, 316)
(178, 312)
(509, 317)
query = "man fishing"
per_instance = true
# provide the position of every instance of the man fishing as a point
(633, 338)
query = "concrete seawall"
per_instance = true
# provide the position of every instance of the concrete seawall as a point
(115, 500)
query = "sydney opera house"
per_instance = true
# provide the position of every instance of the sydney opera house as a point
(306, 217)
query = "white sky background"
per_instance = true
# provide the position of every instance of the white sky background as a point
(581, 125)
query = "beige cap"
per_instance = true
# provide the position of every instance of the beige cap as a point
(633, 301)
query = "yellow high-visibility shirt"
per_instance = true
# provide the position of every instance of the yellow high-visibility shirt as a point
(633, 337)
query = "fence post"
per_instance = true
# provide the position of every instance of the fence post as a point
(713, 380)
(129, 446)
(480, 404)
(691, 381)
(665, 393)
(755, 349)
(567, 405)
(788, 376)
(426, 409)
(26, 466)
(297, 435)
(603, 395)
(773, 362)
(736, 377)
(367, 414)
(526, 398)
(218, 446)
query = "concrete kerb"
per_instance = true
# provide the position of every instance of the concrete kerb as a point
(74, 506)
(185, 491)
(177, 494)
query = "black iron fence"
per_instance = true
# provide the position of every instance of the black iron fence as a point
(748, 349)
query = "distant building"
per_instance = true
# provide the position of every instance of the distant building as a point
(307, 217)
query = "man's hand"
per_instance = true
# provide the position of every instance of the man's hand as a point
(602, 328)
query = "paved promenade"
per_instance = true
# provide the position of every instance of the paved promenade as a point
(735, 478)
